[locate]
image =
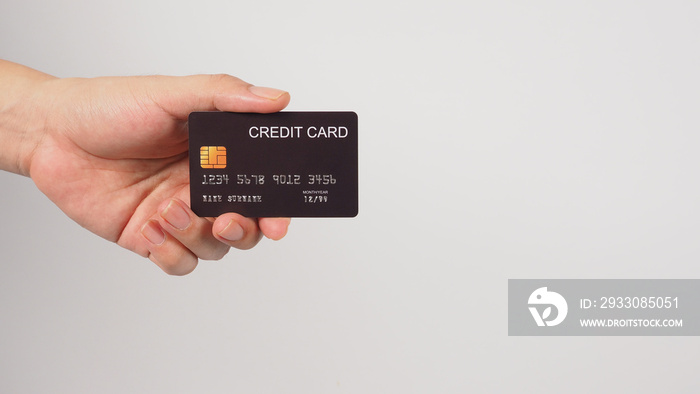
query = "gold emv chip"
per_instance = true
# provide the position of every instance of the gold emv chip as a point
(212, 156)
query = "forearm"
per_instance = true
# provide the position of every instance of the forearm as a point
(22, 115)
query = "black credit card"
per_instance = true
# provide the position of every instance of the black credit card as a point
(285, 164)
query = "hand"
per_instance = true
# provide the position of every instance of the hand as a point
(112, 154)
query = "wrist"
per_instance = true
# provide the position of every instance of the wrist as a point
(22, 115)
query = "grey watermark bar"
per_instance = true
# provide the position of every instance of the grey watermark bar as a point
(605, 307)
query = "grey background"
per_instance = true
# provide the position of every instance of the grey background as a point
(678, 300)
(498, 140)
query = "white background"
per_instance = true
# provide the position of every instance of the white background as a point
(497, 140)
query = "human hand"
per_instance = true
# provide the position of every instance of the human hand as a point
(112, 154)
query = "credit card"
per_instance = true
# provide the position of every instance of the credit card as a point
(285, 164)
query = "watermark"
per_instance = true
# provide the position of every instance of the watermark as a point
(605, 307)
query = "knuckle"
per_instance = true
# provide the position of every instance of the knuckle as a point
(217, 80)
(180, 266)
(215, 253)
(248, 242)
(246, 245)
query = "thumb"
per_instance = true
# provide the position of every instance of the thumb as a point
(181, 95)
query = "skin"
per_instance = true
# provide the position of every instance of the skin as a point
(112, 154)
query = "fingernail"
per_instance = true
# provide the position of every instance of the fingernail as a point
(153, 233)
(268, 93)
(176, 216)
(232, 232)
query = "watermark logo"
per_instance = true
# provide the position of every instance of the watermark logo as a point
(543, 297)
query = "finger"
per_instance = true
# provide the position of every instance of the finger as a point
(168, 254)
(193, 232)
(181, 95)
(236, 230)
(274, 228)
